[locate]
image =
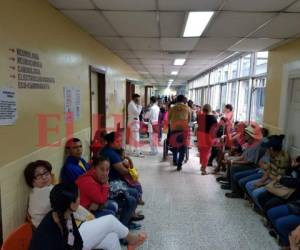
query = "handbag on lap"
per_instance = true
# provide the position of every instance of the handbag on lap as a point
(279, 190)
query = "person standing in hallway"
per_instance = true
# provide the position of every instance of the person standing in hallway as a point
(134, 109)
(179, 117)
(207, 126)
(153, 126)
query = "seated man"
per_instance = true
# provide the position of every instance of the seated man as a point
(118, 171)
(245, 162)
(75, 165)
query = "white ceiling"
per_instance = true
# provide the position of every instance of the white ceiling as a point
(147, 34)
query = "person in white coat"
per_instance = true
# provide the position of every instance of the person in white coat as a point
(153, 127)
(134, 110)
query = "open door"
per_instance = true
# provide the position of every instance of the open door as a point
(97, 102)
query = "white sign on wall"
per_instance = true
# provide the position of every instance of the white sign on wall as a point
(8, 106)
(72, 103)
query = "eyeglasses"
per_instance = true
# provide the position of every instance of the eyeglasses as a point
(41, 175)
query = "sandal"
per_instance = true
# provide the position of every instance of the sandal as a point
(141, 239)
(203, 171)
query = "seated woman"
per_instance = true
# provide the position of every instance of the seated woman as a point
(103, 232)
(94, 189)
(118, 171)
(268, 200)
(285, 219)
(128, 163)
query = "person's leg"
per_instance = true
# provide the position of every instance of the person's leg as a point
(128, 207)
(276, 212)
(204, 157)
(236, 176)
(274, 202)
(255, 195)
(250, 187)
(245, 180)
(182, 151)
(110, 242)
(285, 225)
(94, 231)
(151, 141)
(175, 155)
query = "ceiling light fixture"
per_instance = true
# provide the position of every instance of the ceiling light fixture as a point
(196, 23)
(179, 61)
(174, 73)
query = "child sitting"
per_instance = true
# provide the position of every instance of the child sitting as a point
(131, 179)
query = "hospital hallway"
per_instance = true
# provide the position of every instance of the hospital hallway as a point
(187, 211)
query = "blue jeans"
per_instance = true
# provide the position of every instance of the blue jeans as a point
(110, 208)
(255, 176)
(254, 192)
(283, 221)
(128, 205)
(239, 175)
(177, 141)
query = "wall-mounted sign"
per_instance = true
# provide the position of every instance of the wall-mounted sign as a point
(26, 67)
(72, 103)
(8, 106)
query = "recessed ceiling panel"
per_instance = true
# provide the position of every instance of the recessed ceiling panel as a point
(143, 43)
(285, 25)
(126, 54)
(215, 44)
(192, 5)
(171, 23)
(134, 24)
(236, 24)
(295, 7)
(91, 21)
(254, 44)
(113, 43)
(125, 4)
(178, 44)
(256, 5)
(72, 4)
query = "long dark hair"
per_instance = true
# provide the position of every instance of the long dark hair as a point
(61, 197)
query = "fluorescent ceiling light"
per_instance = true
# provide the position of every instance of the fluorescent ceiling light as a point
(174, 73)
(196, 23)
(179, 61)
(171, 80)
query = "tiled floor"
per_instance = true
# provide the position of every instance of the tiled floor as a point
(187, 211)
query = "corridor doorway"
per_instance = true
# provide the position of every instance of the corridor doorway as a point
(97, 102)
(293, 118)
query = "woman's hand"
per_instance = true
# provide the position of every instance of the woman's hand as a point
(295, 235)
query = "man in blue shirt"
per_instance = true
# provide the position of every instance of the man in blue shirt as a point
(75, 165)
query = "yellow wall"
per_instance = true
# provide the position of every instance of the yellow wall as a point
(278, 57)
(66, 52)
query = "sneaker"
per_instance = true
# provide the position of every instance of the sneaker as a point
(221, 178)
(224, 182)
(225, 186)
(137, 217)
(179, 167)
(134, 226)
(141, 155)
(233, 195)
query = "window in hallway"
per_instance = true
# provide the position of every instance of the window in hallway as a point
(258, 100)
(232, 82)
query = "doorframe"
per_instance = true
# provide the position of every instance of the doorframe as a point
(290, 72)
(93, 69)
